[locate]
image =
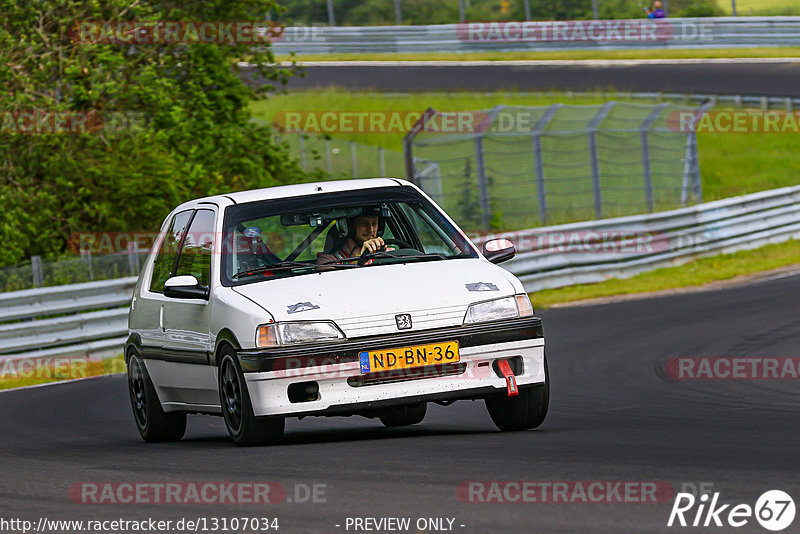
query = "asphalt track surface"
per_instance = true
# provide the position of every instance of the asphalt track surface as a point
(614, 417)
(750, 77)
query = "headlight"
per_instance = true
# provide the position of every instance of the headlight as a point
(504, 308)
(277, 334)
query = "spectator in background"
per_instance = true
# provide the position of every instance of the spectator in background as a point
(656, 12)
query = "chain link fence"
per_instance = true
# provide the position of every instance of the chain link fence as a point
(527, 166)
(70, 270)
(342, 159)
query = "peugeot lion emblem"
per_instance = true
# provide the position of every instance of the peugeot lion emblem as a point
(403, 321)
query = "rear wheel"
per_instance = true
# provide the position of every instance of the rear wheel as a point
(153, 423)
(410, 414)
(524, 411)
(237, 410)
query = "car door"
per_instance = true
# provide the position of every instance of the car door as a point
(187, 338)
(147, 317)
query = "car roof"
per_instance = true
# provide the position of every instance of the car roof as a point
(295, 190)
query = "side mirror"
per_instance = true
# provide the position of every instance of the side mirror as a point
(498, 250)
(185, 287)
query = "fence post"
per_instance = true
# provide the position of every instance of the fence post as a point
(538, 161)
(527, 6)
(381, 162)
(87, 253)
(331, 18)
(483, 185)
(397, 13)
(644, 129)
(36, 268)
(592, 131)
(353, 162)
(408, 144)
(328, 162)
(302, 151)
(133, 258)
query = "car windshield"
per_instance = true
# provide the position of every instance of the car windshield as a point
(303, 235)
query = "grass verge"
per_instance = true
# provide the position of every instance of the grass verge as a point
(561, 55)
(693, 274)
(32, 373)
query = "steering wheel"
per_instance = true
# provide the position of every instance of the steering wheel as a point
(399, 242)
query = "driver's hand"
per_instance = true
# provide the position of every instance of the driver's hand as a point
(372, 245)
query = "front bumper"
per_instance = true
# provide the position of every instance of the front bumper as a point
(342, 388)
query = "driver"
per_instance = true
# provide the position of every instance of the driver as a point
(362, 238)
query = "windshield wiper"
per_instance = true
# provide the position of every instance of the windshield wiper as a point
(384, 255)
(280, 266)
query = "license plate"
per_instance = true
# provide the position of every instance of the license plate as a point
(405, 357)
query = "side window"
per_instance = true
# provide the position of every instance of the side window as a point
(195, 256)
(165, 260)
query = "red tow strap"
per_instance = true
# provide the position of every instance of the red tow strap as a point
(511, 382)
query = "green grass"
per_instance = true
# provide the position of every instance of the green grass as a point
(46, 374)
(654, 53)
(761, 7)
(695, 273)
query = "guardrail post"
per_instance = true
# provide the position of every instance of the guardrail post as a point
(353, 162)
(592, 131)
(644, 129)
(36, 268)
(381, 162)
(538, 128)
(527, 5)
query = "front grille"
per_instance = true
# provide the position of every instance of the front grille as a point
(371, 325)
(404, 375)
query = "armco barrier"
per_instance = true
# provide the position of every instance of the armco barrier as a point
(715, 227)
(93, 316)
(77, 320)
(712, 32)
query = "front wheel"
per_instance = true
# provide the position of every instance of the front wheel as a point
(525, 411)
(237, 410)
(153, 423)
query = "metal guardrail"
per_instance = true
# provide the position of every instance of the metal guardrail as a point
(92, 317)
(711, 32)
(70, 321)
(594, 251)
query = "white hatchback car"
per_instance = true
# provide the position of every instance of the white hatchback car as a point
(252, 307)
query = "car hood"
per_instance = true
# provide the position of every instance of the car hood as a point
(365, 301)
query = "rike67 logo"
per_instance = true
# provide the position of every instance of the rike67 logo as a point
(774, 510)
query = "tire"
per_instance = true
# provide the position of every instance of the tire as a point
(153, 423)
(410, 414)
(523, 412)
(245, 429)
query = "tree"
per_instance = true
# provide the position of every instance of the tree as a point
(193, 134)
